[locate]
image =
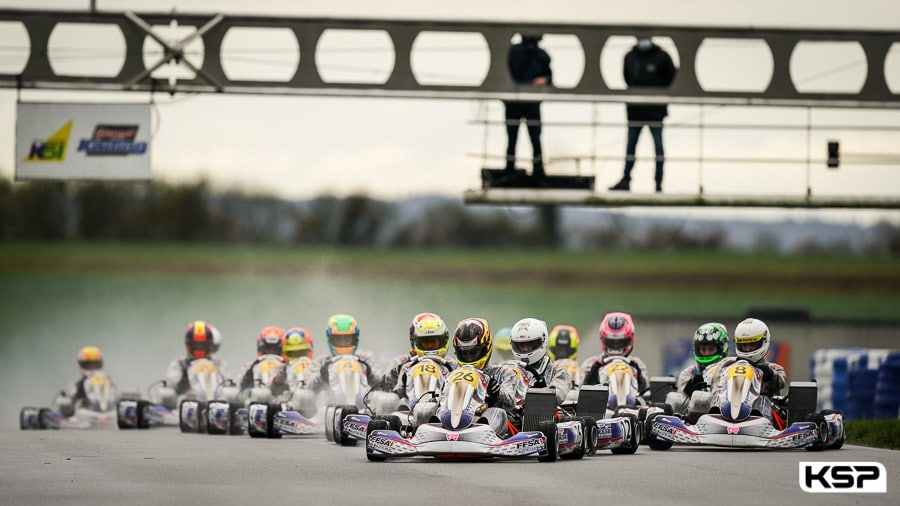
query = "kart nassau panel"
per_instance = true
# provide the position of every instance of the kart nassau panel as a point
(355, 426)
(714, 430)
(613, 432)
(477, 440)
(291, 423)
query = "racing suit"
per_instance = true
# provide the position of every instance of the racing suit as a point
(403, 371)
(249, 376)
(322, 382)
(505, 391)
(593, 366)
(75, 396)
(392, 375)
(177, 373)
(548, 374)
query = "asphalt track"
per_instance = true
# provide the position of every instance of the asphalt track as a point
(164, 466)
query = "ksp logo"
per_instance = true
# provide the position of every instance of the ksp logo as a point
(842, 477)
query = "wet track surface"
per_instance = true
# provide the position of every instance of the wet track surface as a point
(164, 466)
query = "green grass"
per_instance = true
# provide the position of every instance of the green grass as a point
(710, 283)
(874, 433)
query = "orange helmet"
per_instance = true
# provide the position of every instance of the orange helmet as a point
(270, 341)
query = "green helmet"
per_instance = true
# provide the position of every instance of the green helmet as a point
(710, 333)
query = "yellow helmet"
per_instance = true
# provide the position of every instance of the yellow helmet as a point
(472, 342)
(90, 358)
(564, 342)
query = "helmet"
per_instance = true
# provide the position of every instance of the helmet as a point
(502, 343)
(200, 339)
(563, 342)
(270, 341)
(751, 340)
(472, 342)
(710, 334)
(617, 334)
(89, 358)
(342, 334)
(430, 335)
(529, 340)
(298, 343)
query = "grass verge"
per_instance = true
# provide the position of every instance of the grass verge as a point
(874, 433)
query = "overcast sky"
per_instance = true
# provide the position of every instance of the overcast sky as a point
(392, 148)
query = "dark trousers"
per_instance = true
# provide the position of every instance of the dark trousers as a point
(531, 113)
(634, 131)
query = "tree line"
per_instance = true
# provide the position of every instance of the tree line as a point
(195, 212)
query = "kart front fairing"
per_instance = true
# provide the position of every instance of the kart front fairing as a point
(477, 440)
(716, 430)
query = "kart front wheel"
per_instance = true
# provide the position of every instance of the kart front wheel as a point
(652, 441)
(589, 429)
(821, 430)
(634, 440)
(373, 426)
(549, 431)
(339, 436)
(839, 442)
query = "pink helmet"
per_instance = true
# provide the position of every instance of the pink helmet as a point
(617, 334)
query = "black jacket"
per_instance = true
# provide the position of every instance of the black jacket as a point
(651, 67)
(528, 61)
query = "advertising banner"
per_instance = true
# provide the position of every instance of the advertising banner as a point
(82, 141)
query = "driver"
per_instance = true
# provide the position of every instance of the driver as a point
(529, 339)
(342, 335)
(710, 344)
(89, 359)
(201, 340)
(751, 340)
(473, 344)
(269, 345)
(616, 341)
(430, 340)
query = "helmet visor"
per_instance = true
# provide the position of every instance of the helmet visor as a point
(296, 352)
(429, 343)
(471, 354)
(90, 365)
(748, 346)
(616, 345)
(269, 348)
(525, 347)
(344, 340)
(561, 351)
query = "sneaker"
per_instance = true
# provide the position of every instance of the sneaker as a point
(623, 185)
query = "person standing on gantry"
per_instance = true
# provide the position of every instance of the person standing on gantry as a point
(646, 65)
(529, 65)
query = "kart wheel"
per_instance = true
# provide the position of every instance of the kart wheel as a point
(373, 426)
(235, 428)
(652, 441)
(271, 411)
(589, 429)
(43, 415)
(212, 428)
(821, 428)
(252, 409)
(188, 422)
(340, 437)
(121, 422)
(394, 423)
(143, 422)
(839, 442)
(329, 422)
(24, 416)
(549, 431)
(634, 440)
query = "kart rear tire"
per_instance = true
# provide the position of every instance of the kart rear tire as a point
(394, 423)
(549, 431)
(329, 422)
(234, 426)
(272, 410)
(822, 428)
(22, 424)
(589, 429)
(840, 441)
(634, 441)
(211, 428)
(340, 437)
(373, 426)
(43, 414)
(143, 422)
(652, 441)
(182, 423)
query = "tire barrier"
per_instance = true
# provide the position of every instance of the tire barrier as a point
(863, 383)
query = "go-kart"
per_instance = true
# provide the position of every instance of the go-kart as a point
(97, 410)
(736, 420)
(190, 413)
(461, 432)
(426, 378)
(347, 389)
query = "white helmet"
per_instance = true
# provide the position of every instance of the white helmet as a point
(751, 339)
(529, 340)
